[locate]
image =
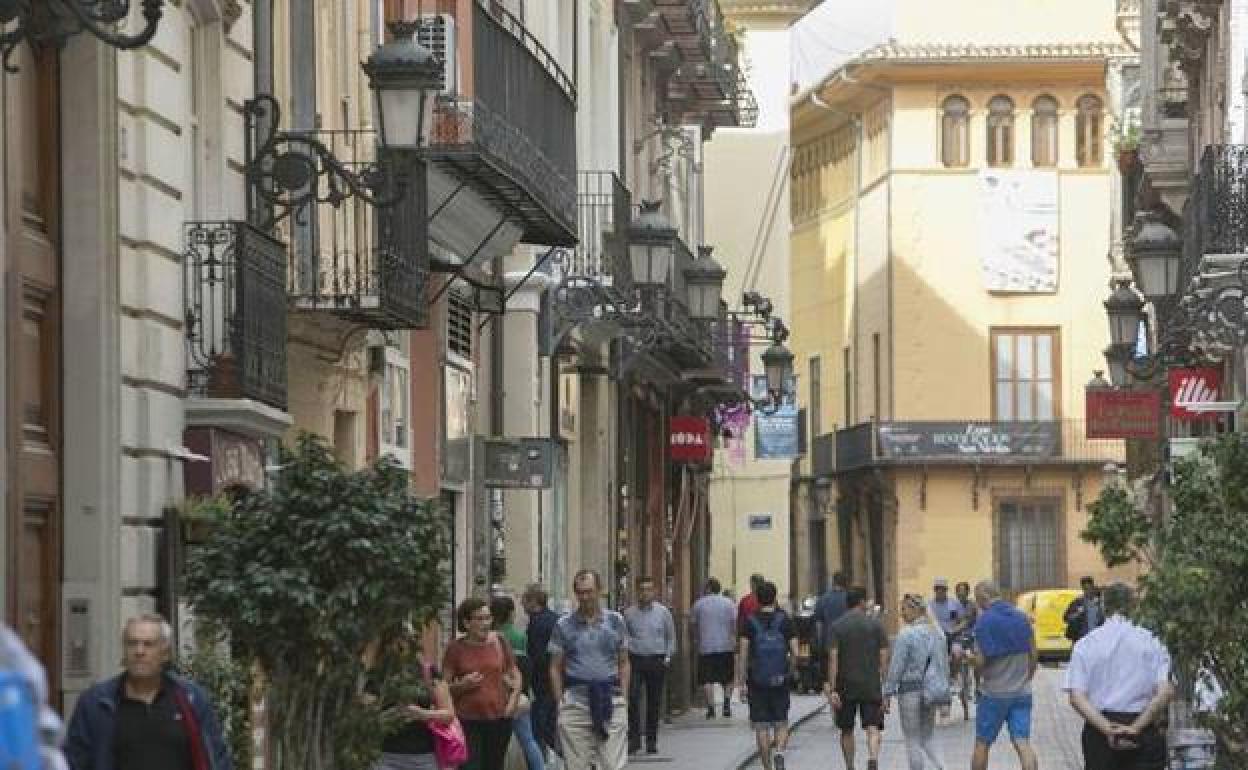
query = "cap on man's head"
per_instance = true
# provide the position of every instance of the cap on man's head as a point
(940, 583)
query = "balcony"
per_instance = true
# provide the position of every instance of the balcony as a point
(1215, 220)
(511, 134)
(604, 209)
(961, 442)
(234, 300)
(358, 261)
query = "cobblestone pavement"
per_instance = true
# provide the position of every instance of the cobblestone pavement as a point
(1055, 735)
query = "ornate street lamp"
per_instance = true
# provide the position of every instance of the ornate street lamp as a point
(1124, 307)
(704, 281)
(778, 364)
(651, 246)
(1098, 381)
(1156, 256)
(404, 77)
(53, 22)
(1117, 357)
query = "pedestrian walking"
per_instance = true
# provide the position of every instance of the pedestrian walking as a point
(1085, 614)
(918, 676)
(146, 717)
(503, 609)
(749, 603)
(42, 741)
(651, 644)
(588, 666)
(857, 654)
(715, 623)
(829, 609)
(537, 639)
(411, 744)
(1119, 681)
(765, 662)
(1005, 653)
(481, 671)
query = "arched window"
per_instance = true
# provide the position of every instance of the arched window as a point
(955, 135)
(1000, 131)
(1044, 132)
(1089, 139)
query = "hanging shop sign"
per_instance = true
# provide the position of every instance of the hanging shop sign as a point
(907, 440)
(689, 439)
(776, 435)
(1192, 387)
(1121, 414)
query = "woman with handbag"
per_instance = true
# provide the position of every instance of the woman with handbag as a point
(918, 674)
(503, 608)
(484, 682)
(422, 720)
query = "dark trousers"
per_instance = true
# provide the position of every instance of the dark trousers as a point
(1149, 754)
(649, 673)
(487, 743)
(545, 715)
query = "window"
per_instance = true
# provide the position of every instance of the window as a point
(849, 388)
(396, 408)
(955, 135)
(1028, 554)
(1088, 139)
(875, 377)
(1044, 132)
(1000, 131)
(1024, 374)
(816, 396)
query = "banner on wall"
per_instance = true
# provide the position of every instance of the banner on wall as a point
(775, 435)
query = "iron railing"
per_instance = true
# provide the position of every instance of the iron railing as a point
(520, 119)
(604, 211)
(1215, 218)
(709, 86)
(963, 442)
(234, 300)
(357, 260)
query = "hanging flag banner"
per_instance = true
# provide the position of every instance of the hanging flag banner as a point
(1189, 388)
(689, 439)
(1114, 413)
(775, 435)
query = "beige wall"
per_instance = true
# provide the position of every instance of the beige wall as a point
(736, 550)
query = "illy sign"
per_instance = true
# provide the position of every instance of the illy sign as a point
(1190, 388)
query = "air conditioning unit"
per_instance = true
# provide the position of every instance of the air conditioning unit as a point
(437, 33)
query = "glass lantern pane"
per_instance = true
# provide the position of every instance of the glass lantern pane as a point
(401, 115)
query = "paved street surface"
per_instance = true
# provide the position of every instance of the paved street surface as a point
(1055, 735)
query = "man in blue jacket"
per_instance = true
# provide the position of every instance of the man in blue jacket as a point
(146, 717)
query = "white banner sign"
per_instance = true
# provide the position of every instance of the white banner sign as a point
(1018, 230)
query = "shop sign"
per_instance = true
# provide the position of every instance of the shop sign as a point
(1191, 387)
(906, 440)
(776, 435)
(1121, 414)
(689, 439)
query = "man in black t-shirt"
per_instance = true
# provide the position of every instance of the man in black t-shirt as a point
(857, 654)
(768, 653)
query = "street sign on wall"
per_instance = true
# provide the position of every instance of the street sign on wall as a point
(689, 439)
(1123, 413)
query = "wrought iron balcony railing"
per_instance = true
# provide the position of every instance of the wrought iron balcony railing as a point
(234, 299)
(961, 442)
(512, 133)
(604, 211)
(708, 86)
(1215, 219)
(356, 260)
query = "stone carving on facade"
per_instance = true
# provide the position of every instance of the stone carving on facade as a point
(1186, 26)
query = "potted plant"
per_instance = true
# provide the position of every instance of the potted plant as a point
(1127, 146)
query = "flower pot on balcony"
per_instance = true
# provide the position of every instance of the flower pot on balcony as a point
(1128, 158)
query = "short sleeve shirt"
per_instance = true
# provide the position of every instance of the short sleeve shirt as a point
(590, 649)
(716, 619)
(858, 640)
(947, 613)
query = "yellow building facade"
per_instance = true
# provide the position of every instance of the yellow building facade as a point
(952, 196)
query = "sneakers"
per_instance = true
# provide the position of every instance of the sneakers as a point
(777, 760)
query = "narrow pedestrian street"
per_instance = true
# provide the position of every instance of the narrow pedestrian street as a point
(1055, 735)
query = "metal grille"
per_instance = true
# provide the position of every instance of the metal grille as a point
(459, 324)
(1027, 545)
(1216, 219)
(437, 33)
(604, 206)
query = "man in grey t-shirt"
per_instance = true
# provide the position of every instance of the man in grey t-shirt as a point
(715, 619)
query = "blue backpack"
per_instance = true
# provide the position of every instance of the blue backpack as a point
(19, 722)
(769, 652)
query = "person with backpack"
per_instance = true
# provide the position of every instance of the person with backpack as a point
(30, 731)
(857, 653)
(918, 675)
(768, 653)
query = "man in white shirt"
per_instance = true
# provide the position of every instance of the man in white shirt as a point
(1119, 681)
(715, 618)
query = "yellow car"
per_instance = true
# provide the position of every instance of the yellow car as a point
(1045, 609)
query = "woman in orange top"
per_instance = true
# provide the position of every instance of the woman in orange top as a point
(485, 684)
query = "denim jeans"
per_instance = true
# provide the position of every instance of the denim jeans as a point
(918, 723)
(534, 756)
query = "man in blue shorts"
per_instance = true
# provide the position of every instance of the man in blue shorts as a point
(1005, 654)
(768, 651)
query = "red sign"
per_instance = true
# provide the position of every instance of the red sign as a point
(1192, 387)
(1123, 413)
(689, 439)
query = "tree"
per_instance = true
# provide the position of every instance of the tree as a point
(307, 578)
(1194, 595)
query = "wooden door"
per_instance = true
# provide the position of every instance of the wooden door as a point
(32, 328)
